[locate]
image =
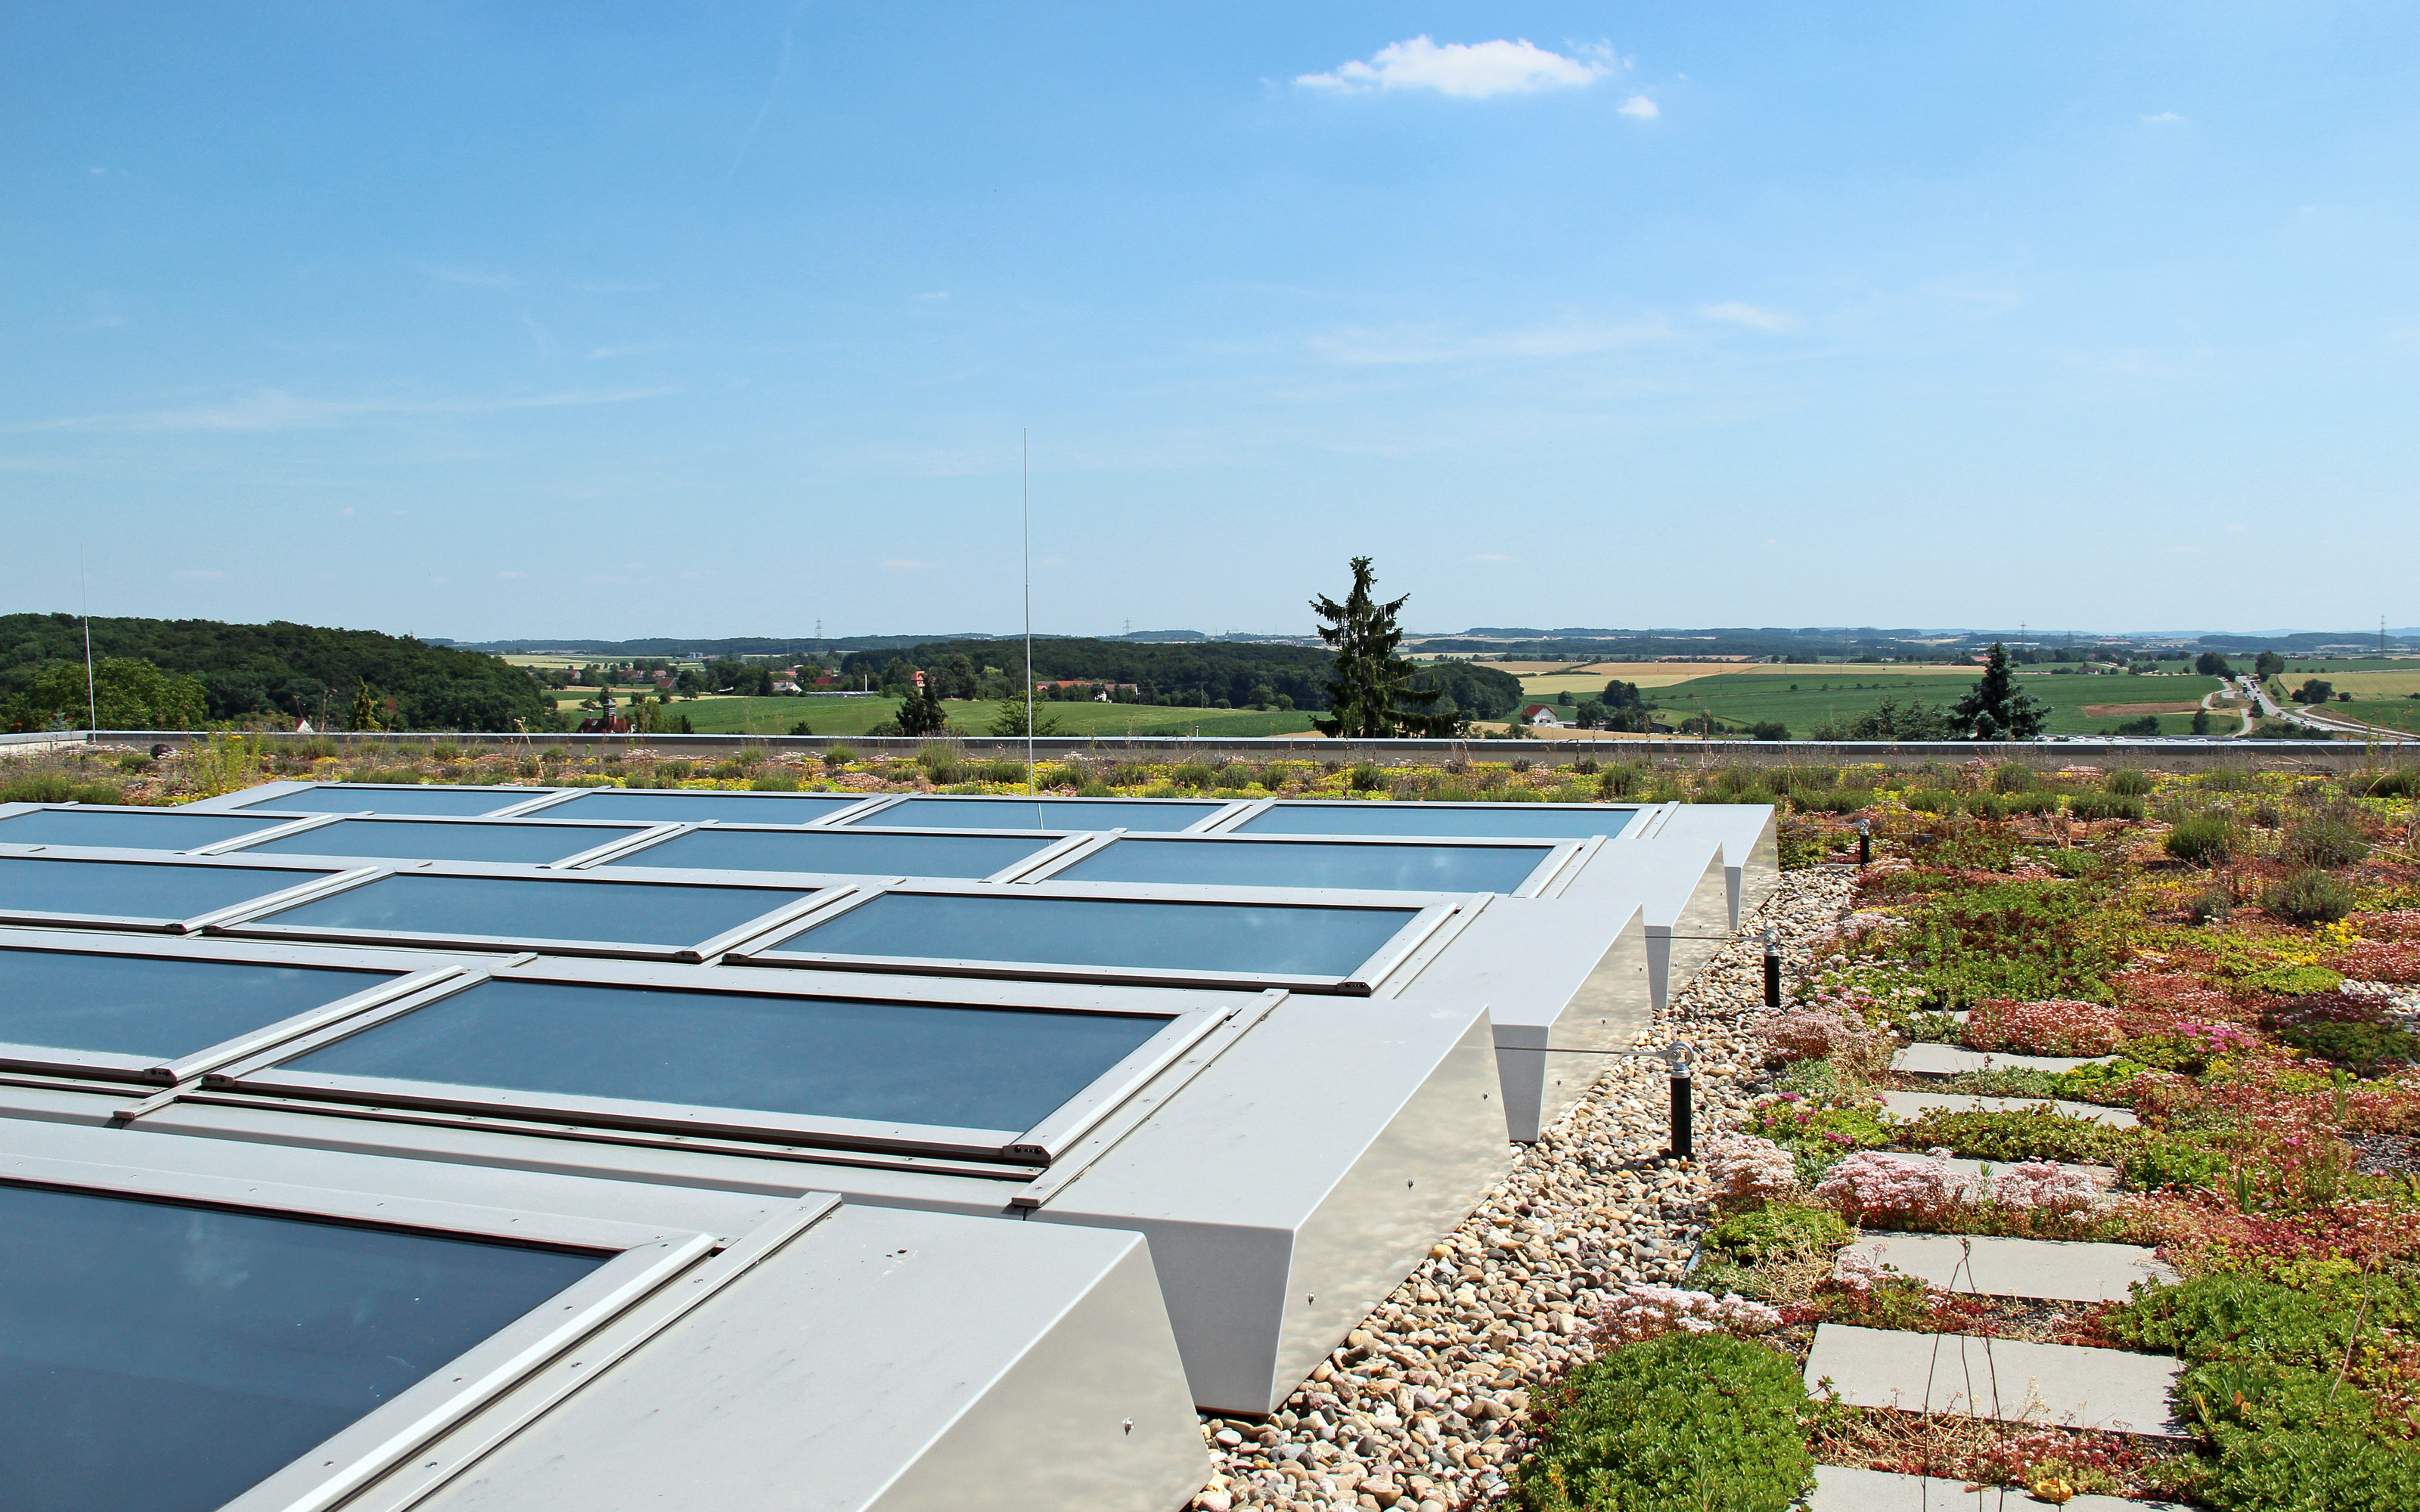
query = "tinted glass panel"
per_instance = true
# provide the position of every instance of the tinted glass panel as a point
(967, 1068)
(1045, 813)
(131, 889)
(159, 1358)
(856, 852)
(459, 803)
(642, 913)
(143, 1006)
(402, 840)
(1168, 936)
(1514, 821)
(660, 807)
(165, 830)
(1242, 863)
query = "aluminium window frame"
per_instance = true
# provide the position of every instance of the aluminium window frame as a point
(1428, 914)
(1556, 857)
(630, 854)
(1646, 817)
(566, 798)
(285, 825)
(640, 1261)
(612, 836)
(407, 973)
(1189, 1018)
(1223, 809)
(257, 920)
(312, 879)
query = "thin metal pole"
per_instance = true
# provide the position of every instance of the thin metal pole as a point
(1025, 468)
(91, 698)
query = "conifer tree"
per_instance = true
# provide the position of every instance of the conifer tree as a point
(1372, 696)
(1994, 709)
(922, 714)
(365, 708)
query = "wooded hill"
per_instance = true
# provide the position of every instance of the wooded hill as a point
(296, 671)
(1193, 673)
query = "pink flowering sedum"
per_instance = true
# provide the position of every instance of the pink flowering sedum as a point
(1644, 1312)
(1742, 1166)
(2042, 1184)
(2060, 1026)
(1879, 1183)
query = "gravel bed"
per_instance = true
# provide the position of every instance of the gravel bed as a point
(1426, 1401)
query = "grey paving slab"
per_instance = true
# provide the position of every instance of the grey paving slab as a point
(1953, 1060)
(1842, 1488)
(2049, 1270)
(2056, 1385)
(1912, 1105)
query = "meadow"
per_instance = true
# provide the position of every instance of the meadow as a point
(856, 716)
(1802, 698)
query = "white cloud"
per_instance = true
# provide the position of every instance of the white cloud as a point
(2166, 118)
(936, 296)
(1640, 107)
(1748, 315)
(1466, 70)
(275, 409)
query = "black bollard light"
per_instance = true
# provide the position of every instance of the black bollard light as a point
(1772, 969)
(1865, 843)
(1683, 1135)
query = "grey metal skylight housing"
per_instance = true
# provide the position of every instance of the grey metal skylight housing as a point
(97, 887)
(642, 914)
(453, 1024)
(520, 841)
(125, 827)
(807, 1343)
(1513, 868)
(1424, 820)
(1148, 936)
(401, 799)
(956, 855)
(689, 806)
(1750, 842)
(984, 811)
(52, 1023)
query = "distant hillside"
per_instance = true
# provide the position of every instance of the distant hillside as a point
(297, 670)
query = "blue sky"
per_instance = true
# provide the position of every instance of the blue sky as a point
(631, 320)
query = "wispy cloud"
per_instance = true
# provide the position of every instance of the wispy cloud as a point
(486, 278)
(2166, 118)
(274, 409)
(1360, 347)
(1466, 70)
(935, 297)
(1639, 107)
(1737, 314)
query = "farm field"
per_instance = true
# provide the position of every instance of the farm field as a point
(2361, 684)
(1843, 694)
(2400, 713)
(856, 716)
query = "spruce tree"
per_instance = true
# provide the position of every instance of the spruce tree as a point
(1372, 696)
(365, 709)
(1994, 709)
(922, 714)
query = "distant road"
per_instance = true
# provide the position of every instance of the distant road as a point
(2332, 724)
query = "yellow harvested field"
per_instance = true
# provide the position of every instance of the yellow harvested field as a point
(1540, 679)
(2362, 684)
(2129, 711)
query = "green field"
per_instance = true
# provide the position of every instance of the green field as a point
(854, 716)
(1801, 701)
(2400, 713)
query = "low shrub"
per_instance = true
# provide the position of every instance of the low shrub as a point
(783, 782)
(838, 756)
(1366, 777)
(2211, 905)
(2362, 1048)
(52, 787)
(135, 761)
(2130, 782)
(2322, 841)
(2234, 1315)
(2202, 840)
(2104, 806)
(2401, 784)
(2018, 1135)
(1191, 775)
(1072, 776)
(381, 774)
(1687, 1421)
(2309, 897)
(2013, 776)
(1777, 1230)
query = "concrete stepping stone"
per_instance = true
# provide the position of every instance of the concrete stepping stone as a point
(1914, 1104)
(2042, 1269)
(1844, 1488)
(1953, 1060)
(2056, 1385)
